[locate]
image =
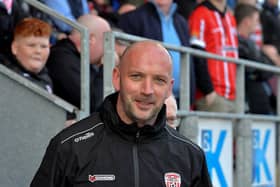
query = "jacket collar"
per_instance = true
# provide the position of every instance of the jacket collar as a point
(172, 9)
(129, 132)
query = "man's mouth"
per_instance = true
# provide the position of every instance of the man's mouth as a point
(144, 105)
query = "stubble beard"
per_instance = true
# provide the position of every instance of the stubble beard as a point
(132, 114)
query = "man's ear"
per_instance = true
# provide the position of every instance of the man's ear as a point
(116, 78)
(92, 38)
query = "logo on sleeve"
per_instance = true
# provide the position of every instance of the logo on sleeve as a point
(172, 179)
(84, 137)
(94, 178)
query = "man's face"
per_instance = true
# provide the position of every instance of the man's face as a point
(96, 43)
(253, 22)
(144, 81)
(31, 52)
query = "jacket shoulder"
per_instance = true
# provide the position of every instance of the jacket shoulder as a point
(81, 129)
(187, 143)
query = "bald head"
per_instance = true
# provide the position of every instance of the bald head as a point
(96, 26)
(149, 50)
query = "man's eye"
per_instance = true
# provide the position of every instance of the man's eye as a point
(160, 80)
(135, 77)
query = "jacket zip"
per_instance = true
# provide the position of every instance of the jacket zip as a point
(135, 160)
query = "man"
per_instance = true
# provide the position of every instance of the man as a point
(64, 63)
(159, 20)
(213, 29)
(128, 142)
(247, 17)
(271, 23)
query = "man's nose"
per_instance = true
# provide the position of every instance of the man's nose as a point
(147, 87)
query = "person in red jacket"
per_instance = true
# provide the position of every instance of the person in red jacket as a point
(213, 29)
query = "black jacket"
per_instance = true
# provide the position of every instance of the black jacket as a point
(64, 66)
(247, 50)
(42, 78)
(255, 79)
(270, 21)
(103, 151)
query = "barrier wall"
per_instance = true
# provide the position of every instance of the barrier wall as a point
(29, 118)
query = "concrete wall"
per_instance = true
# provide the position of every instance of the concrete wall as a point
(28, 119)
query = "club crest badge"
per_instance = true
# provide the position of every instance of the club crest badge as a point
(172, 179)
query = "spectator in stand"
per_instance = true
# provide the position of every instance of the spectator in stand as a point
(11, 12)
(270, 21)
(247, 17)
(71, 9)
(213, 29)
(64, 63)
(257, 35)
(30, 49)
(160, 21)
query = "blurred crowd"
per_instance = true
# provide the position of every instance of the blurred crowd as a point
(46, 50)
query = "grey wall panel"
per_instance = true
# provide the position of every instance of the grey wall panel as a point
(28, 121)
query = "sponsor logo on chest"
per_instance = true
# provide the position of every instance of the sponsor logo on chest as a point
(94, 178)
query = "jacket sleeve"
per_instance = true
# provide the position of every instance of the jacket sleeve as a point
(247, 50)
(203, 79)
(203, 180)
(49, 173)
(197, 41)
(65, 76)
(128, 24)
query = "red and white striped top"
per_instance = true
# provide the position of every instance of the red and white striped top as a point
(216, 33)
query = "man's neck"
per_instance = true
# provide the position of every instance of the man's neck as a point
(164, 8)
(219, 4)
